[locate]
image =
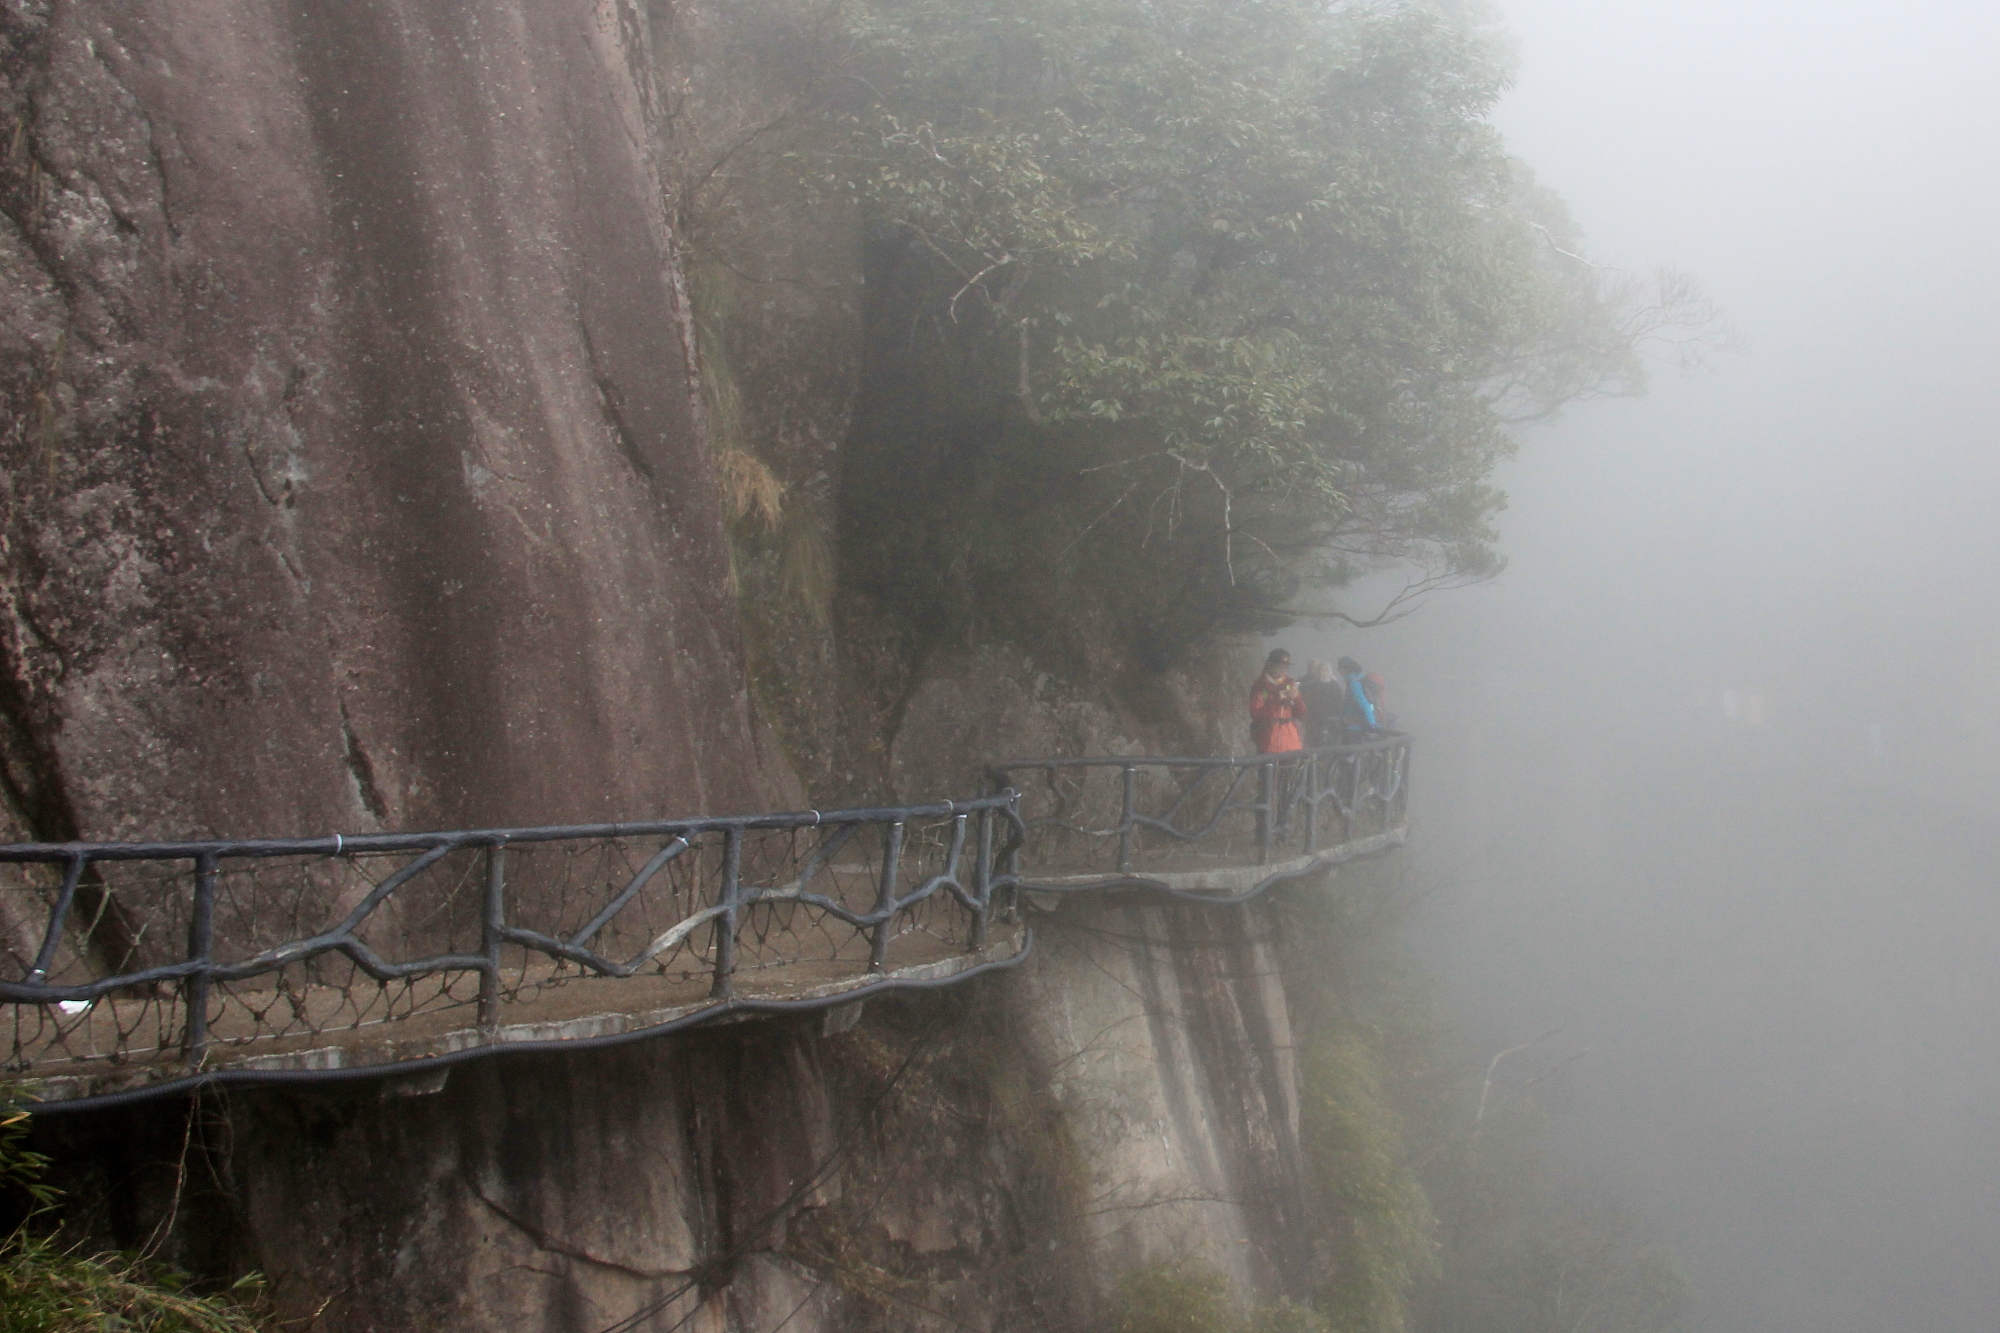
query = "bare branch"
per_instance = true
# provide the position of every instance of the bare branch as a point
(1085, 530)
(1550, 237)
(1023, 389)
(1405, 603)
(951, 306)
(1493, 1068)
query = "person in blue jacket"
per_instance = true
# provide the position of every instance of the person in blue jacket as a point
(1357, 711)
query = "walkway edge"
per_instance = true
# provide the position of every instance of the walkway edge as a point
(1213, 886)
(518, 1039)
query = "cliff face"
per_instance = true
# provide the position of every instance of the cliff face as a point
(354, 470)
(991, 1157)
(357, 473)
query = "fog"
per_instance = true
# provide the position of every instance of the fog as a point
(1705, 776)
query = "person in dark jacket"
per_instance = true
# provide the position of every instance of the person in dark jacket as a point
(1325, 696)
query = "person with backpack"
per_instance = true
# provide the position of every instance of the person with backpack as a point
(1357, 710)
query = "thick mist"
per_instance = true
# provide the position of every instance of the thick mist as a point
(1707, 774)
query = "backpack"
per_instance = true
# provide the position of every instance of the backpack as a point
(1373, 685)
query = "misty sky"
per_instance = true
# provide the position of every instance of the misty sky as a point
(1777, 943)
(1830, 172)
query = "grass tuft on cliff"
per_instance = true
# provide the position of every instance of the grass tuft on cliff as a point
(47, 1286)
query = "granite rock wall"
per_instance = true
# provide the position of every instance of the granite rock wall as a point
(354, 469)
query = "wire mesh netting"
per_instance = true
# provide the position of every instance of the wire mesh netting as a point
(180, 956)
(1173, 816)
(396, 947)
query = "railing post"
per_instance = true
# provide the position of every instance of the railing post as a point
(1012, 869)
(1403, 780)
(59, 916)
(1003, 783)
(201, 952)
(982, 889)
(1130, 800)
(885, 897)
(1284, 798)
(492, 920)
(1309, 789)
(1355, 796)
(1378, 787)
(1265, 784)
(725, 925)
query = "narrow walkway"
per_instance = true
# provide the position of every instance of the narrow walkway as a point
(141, 970)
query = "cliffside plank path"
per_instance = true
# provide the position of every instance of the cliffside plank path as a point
(147, 969)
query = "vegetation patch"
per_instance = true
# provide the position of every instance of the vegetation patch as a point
(1188, 1296)
(48, 1285)
(46, 1288)
(1354, 1144)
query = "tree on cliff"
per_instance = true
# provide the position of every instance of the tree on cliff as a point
(1191, 306)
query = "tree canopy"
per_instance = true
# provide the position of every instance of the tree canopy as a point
(1193, 307)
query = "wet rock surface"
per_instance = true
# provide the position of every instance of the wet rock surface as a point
(354, 470)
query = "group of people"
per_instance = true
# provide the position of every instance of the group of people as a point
(1336, 703)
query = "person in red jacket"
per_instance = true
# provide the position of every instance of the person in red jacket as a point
(1275, 707)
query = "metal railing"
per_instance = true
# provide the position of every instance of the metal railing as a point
(1158, 822)
(142, 968)
(171, 956)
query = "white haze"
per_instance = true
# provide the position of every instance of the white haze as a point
(1780, 943)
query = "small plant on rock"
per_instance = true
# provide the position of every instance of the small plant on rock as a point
(48, 1285)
